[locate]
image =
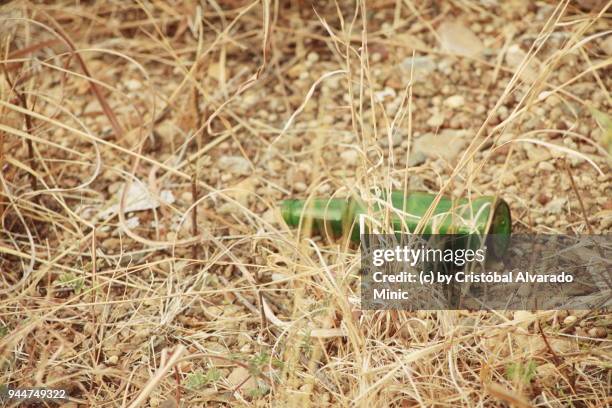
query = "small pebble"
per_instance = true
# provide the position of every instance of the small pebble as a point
(228, 209)
(350, 157)
(186, 196)
(455, 101)
(235, 164)
(598, 332)
(132, 85)
(543, 199)
(300, 186)
(436, 120)
(546, 166)
(312, 57)
(569, 320)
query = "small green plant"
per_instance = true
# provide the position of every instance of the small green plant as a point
(199, 379)
(278, 363)
(521, 372)
(258, 392)
(605, 123)
(69, 280)
(307, 344)
(258, 362)
(4, 330)
(3, 394)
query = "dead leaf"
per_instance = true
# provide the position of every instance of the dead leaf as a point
(240, 377)
(138, 198)
(456, 38)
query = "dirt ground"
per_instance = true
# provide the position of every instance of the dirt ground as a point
(145, 147)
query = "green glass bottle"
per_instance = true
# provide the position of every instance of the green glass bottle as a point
(486, 215)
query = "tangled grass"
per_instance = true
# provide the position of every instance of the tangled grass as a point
(144, 147)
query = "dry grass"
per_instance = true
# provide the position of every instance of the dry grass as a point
(231, 106)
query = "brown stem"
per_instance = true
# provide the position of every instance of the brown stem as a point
(582, 208)
(94, 87)
(29, 128)
(558, 361)
(177, 377)
(194, 216)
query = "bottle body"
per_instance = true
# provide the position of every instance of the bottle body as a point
(406, 213)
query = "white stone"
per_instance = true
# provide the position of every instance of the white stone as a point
(546, 166)
(555, 206)
(420, 67)
(455, 101)
(133, 85)
(235, 164)
(436, 120)
(350, 157)
(380, 96)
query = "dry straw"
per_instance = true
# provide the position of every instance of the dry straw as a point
(221, 109)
